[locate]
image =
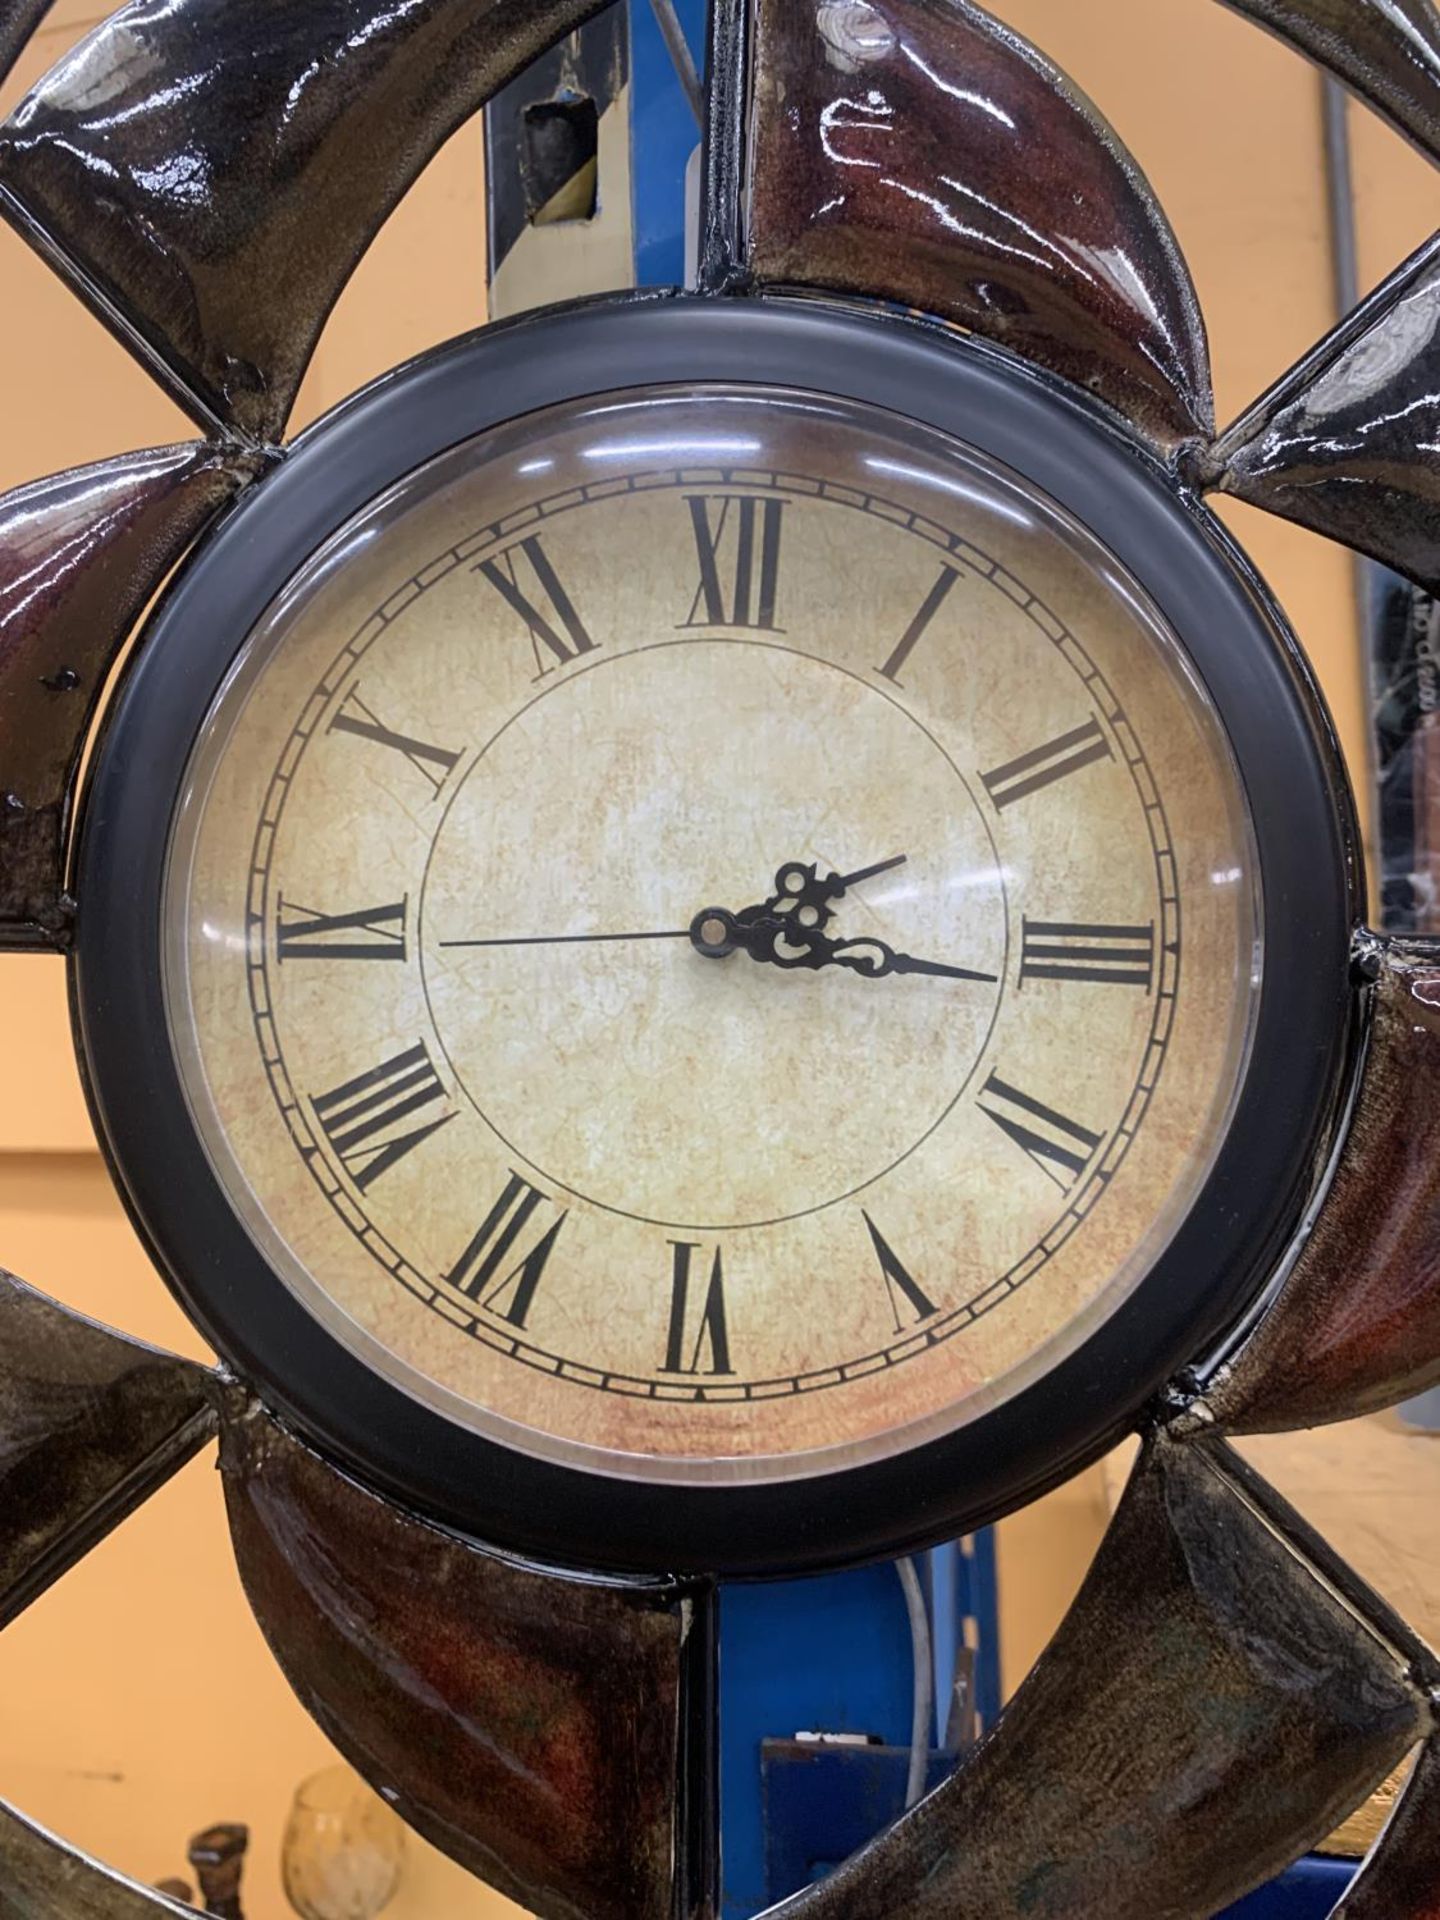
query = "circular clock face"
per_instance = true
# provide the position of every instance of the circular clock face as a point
(713, 934)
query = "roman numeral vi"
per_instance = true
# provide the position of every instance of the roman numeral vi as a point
(682, 1353)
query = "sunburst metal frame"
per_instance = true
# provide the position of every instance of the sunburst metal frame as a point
(205, 176)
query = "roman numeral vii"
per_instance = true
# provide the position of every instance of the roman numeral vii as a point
(479, 1272)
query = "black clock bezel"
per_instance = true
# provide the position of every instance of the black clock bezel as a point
(1228, 1244)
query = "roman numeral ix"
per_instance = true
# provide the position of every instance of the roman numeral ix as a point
(435, 763)
(1061, 1148)
(906, 1295)
(545, 607)
(372, 933)
(683, 1354)
(478, 1271)
(1060, 950)
(1042, 766)
(750, 528)
(360, 1117)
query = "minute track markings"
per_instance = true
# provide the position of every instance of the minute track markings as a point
(805, 490)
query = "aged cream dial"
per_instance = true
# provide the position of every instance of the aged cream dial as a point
(714, 935)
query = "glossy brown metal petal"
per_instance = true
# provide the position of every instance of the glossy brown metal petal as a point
(207, 175)
(80, 555)
(1388, 51)
(533, 1725)
(918, 151)
(1356, 1326)
(91, 1424)
(1401, 1879)
(43, 1879)
(1208, 1710)
(1345, 442)
(18, 20)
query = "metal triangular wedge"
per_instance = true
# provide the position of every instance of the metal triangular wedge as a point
(1401, 1878)
(91, 1424)
(80, 555)
(250, 154)
(18, 21)
(1211, 1707)
(1355, 1327)
(894, 156)
(1343, 443)
(548, 1731)
(1387, 51)
(41, 1878)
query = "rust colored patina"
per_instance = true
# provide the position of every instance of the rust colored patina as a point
(1344, 442)
(531, 1724)
(1356, 1326)
(91, 1424)
(1401, 1879)
(1387, 51)
(918, 151)
(1209, 1709)
(18, 20)
(80, 554)
(207, 176)
(43, 1879)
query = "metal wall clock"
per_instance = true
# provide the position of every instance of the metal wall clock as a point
(717, 933)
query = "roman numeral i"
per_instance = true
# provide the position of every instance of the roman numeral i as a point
(741, 592)
(534, 591)
(711, 1340)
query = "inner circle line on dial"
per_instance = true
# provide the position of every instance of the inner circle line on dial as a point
(965, 553)
(703, 1226)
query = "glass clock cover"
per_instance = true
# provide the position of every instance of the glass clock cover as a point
(712, 935)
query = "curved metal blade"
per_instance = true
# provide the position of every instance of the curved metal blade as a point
(18, 21)
(91, 1424)
(1356, 1325)
(207, 176)
(898, 153)
(1209, 1709)
(43, 1879)
(1344, 442)
(535, 1725)
(1401, 1879)
(1387, 51)
(80, 554)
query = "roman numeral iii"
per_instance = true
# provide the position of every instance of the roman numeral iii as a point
(434, 763)
(372, 933)
(1043, 766)
(479, 1270)
(363, 1119)
(698, 1340)
(907, 1297)
(529, 585)
(737, 542)
(1064, 950)
(1061, 1148)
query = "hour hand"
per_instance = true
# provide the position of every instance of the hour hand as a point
(717, 933)
(875, 960)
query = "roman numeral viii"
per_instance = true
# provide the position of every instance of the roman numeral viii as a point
(1061, 1148)
(907, 1297)
(710, 1343)
(363, 1119)
(1042, 766)
(1059, 950)
(372, 933)
(527, 582)
(737, 541)
(435, 763)
(479, 1270)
